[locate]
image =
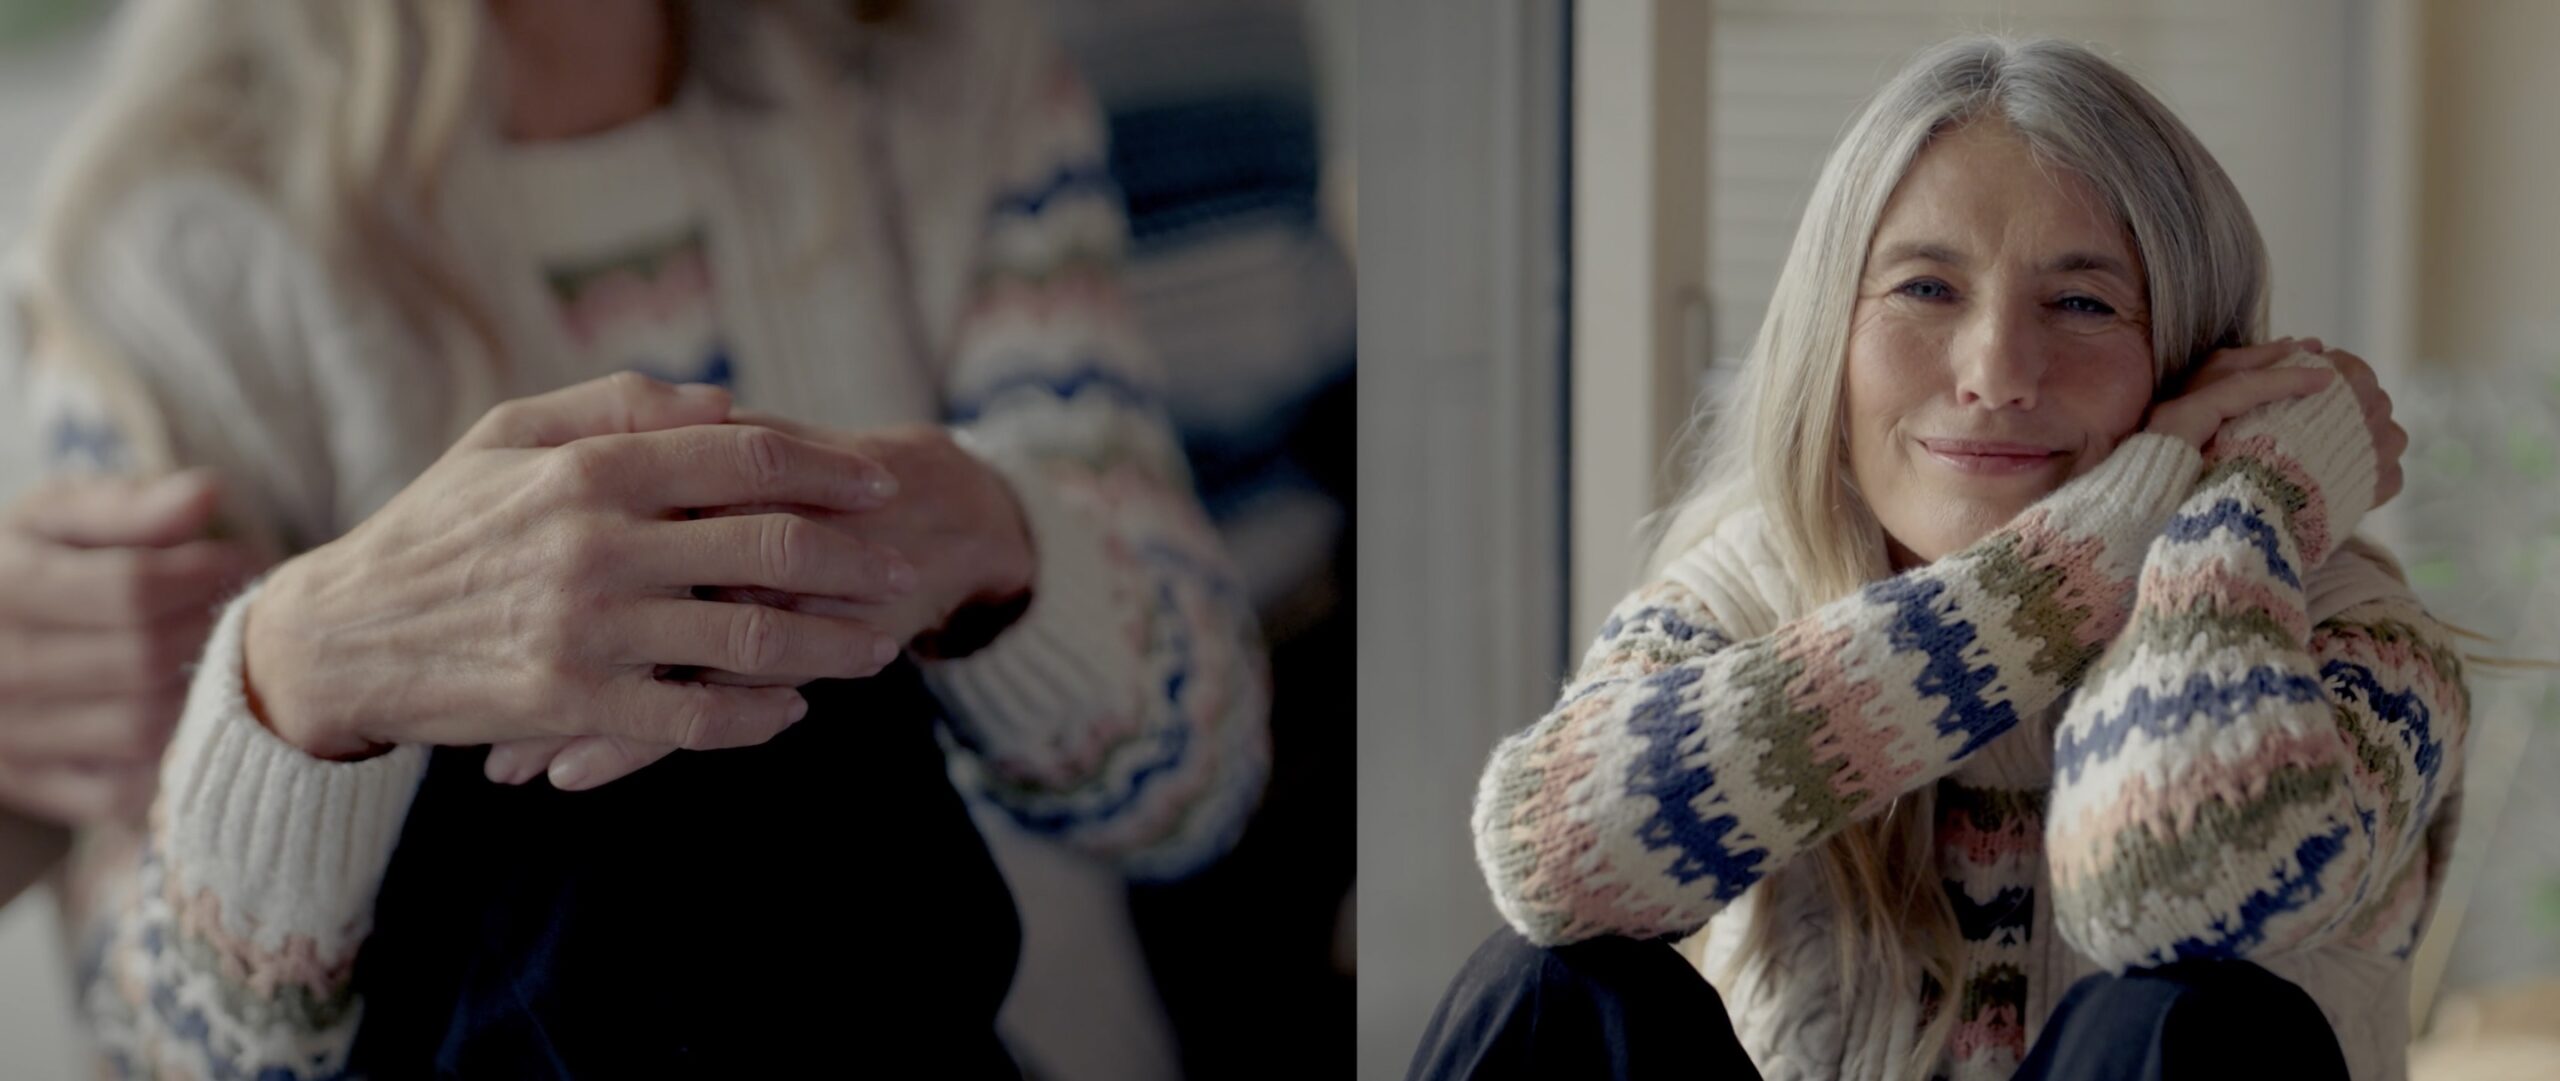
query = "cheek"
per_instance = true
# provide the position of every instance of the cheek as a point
(2110, 399)
(1894, 369)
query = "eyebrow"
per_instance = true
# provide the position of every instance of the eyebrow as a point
(2065, 263)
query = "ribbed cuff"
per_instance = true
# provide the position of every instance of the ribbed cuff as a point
(2132, 492)
(1067, 649)
(2325, 434)
(288, 843)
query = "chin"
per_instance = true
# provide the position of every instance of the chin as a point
(1955, 523)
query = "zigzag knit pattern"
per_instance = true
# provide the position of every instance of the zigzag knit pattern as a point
(2228, 779)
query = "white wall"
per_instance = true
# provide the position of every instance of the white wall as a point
(1460, 572)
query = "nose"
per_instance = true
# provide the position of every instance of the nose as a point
(1999, 359)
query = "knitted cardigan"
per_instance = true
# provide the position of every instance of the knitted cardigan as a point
(2160, 715)
(1123, 713)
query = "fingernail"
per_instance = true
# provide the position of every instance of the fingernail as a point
(501, 766)
(799, 708)
(884, 651)
(880, 485)
(572, 768)
(899, 576)
(701, 392)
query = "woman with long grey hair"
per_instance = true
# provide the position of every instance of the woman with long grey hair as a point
(2010, 697)
(393, 279)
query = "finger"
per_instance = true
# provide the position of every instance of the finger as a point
(2245, 391)
(723, 465)
(94, 511)
(695, 716)
(2349, 363)
(2249, 357)
(58, 665)
(621, 403)
(814, 604)
(125, 730)
(785, 553)
(595, 761)
(121, 587)
(754, 640)
(75, 795)
(735, 679)
(519, 760)
(779, 423)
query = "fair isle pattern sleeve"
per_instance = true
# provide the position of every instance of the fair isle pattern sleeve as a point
(1680, 766)
(2234, 781)
(1126, 711)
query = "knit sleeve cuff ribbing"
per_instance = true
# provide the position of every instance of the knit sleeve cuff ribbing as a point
(288, 844)
(1064, 649)
(2324, 434)
(2135, 489)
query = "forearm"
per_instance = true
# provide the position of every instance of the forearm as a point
(1681, 766)
(2234, 780)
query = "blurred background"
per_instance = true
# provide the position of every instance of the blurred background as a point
(1574, 214)
(1230, 125)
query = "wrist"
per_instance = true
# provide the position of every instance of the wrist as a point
(1007, 566)
(278, 670)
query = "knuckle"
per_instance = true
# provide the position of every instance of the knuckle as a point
(587, 552)
(699, 727)
(787, 543)
(762, 455)
(579, 469)
(631, 386)
(502, 419)
(756, 638)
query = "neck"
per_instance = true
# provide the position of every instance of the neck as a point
(578, 67)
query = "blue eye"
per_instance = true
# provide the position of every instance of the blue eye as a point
(2090, 306)
(1919, 289)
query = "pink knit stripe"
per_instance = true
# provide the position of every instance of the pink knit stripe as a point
(2311, 523)
(1862, 744)
(2003, 847)
(2168, 810)
(2225, 586)
(261, 971)
(1996, 1032)
(2087, 584)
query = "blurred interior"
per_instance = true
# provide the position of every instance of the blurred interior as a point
(1229, 128)
(1574, 214)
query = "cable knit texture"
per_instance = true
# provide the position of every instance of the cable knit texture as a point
(1124, 713)
(2159, 715)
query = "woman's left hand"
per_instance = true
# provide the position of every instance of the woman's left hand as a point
(2389, 439)
(954, 520)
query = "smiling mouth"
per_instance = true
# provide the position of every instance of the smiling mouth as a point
(1990, 458)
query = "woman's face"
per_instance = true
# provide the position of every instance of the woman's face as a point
(2000, 344)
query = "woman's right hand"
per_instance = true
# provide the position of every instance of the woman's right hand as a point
(2232, 382)
(540, 575)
